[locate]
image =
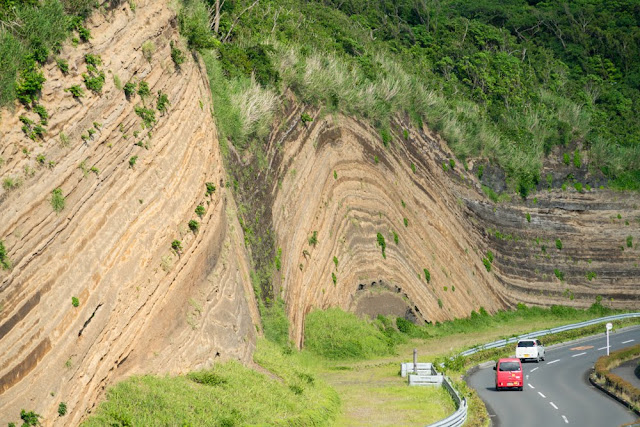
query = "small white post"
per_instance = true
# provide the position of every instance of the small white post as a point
(415, 361)
(609, 327)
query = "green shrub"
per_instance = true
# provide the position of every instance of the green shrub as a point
(163, 102)
(577, 159)
(335, 261)
(129, 89)
(147, 115)
(57, 200)
(559, 244)
(413, 167)
(452, 163)
(200, 211)
(211, 188)
(487, 264)
(207, 378)
(591, 275)
(629, 241)
(76, 91)
(566, 159)
(29, 418)
(177, 56)
(176, 245)
(382, 244)
(5, 262)
(528, 217)
(195, 27)
(93, 60)
(406, 222)
(42, 112)
(337, 335)
(395, 237)
(386, 137)
(578, 187)
(143, 89)
(148, 49)
(132, 161)
(75, 301)
(334, 278)
(194, 225)
(63, 65)
(427, 275)
(94, 80)
(313, 240)
(439, 303)
(305, 118)
(559, 274)
(62, 409)
(29, 85)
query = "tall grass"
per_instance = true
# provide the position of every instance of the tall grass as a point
(338, 335)
(226, 395)
(34, 32)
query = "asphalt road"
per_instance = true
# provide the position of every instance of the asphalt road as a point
(557, 391)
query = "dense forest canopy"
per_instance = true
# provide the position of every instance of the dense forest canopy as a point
(537, 74)
(505, 81)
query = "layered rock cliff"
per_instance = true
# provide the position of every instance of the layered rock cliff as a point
(143, 307)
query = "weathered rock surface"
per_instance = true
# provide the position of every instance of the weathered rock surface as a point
(142, 307)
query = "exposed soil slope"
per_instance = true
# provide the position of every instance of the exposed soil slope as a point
(142, 308)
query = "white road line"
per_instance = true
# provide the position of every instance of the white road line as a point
(533, 369)
(565, 419)
(628, 341)
(602, 348)
(530, 386)
(553, 361)
(542, 395)
(579, 354)
(553, 404)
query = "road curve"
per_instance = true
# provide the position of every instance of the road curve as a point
(557, 391)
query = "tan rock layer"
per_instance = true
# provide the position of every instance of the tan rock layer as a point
(142, 307)
(364, 198)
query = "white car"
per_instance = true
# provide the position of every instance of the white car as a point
(530, 349)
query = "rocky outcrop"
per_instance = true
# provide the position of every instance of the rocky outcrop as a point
(129, 192)
(340, 182)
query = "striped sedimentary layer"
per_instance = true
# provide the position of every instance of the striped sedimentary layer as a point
(129, 192)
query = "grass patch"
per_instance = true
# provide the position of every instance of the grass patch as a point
(338, 335)
(226, 395)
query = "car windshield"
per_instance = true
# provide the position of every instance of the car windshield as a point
(509, 366)
(526, 344)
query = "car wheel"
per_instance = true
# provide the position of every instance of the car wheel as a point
(520, 388)
(497, 388)
(537, 359)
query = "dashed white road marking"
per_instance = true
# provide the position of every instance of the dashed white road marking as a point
(530, 386)
(553, 404)
(602, 348)
(553, 361)
(542, 395)
(533, 369)
(627, 341)
(579, 354)
(565, 419)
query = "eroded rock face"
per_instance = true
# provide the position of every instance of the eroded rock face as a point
(142, 307)
(340, 181)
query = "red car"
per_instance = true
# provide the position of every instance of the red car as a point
(509, 374)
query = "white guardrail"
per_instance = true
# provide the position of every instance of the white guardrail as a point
(459, 417)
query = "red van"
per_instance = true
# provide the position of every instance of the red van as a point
(509, 374)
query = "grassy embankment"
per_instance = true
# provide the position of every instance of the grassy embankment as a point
(347, 375)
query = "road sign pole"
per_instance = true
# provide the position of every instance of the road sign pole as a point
(609, 327)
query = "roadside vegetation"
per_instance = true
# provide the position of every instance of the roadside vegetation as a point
(315, 386)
